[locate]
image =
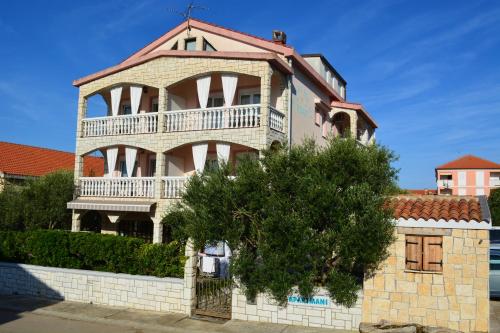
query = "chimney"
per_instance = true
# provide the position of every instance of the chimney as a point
(279, 37)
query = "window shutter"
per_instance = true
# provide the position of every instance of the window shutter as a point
(433, 253)
(414, 253)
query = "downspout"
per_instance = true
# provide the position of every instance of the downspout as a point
(290, 77)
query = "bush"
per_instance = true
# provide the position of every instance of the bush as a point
(97, 252)
(494, 203)
(39, 203)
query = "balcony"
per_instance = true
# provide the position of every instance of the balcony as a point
(173, 187)
(145, 123)
(117, 187)
(240, 116)
(445, 183)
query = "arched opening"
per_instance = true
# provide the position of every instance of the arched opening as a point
(138, 225)
(183, 161)
(91, 221)
(342, 125)
(276, 146)
(183, 95)
(100, 103)
(128, 172)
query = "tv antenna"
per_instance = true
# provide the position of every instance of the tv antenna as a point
(187, 13)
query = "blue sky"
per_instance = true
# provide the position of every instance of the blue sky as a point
(428, 71)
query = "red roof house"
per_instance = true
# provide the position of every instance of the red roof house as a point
(21, 161)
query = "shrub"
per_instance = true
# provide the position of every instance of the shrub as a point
(90, 251)
(494, 203)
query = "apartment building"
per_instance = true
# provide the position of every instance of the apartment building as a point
(468, 175)
(198, 95)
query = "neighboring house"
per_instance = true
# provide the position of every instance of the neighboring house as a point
(422, 192)
(468, 175)
(437, 271)
(20, 162)
(198, 95)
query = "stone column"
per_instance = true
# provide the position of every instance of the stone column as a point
(157, 230)
(265, 103)
(160, 172)
(162, 107)
(75, 221)
(189, 290)
(354, 124)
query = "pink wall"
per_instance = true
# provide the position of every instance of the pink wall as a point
(471, 187)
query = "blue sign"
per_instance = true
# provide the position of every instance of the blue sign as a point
(316, 300)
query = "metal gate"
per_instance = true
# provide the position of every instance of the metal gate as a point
(213, 294)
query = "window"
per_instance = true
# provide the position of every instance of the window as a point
(207, 46)
(211, 163)
(190, 44)
(317, 117)
(215, 102)
(154, 104)
(126, 108)
(324, 129)
(424, 253)
(246, 99)
(152, 167)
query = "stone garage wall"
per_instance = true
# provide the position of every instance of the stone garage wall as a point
(457, 298)
(318, 312)
(133, 291)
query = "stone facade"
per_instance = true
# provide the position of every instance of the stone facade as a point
(328, 315)
(456, 298)
(162, 73)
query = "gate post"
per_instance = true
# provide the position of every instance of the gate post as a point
(189, 292)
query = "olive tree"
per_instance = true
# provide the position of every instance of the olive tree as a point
(296, 218)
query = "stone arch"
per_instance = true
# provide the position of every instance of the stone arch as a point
(341, 124)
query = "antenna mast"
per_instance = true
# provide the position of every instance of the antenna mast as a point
(187, 13)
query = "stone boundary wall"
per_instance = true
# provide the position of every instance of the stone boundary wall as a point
(132, 291)
(320, 312)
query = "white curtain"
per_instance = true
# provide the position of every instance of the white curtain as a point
(135, 98)
(116, 95)
(203, 88)
(111, 155)
(223, 150)
(200, 156)
(229, 82)
(130, 155)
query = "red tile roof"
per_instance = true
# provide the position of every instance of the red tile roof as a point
(436, 207)
(469, 162)
(22, 160)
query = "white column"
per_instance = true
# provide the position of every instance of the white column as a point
(199, 156)
(130, 157)
(157, 231)
(203, 89)
(116, 95)
(229, 83)
(223, 151)
(111, 155)
(135, 98)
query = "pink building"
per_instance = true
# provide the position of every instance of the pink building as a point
(468, 175)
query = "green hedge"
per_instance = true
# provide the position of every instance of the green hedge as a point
(90, 251)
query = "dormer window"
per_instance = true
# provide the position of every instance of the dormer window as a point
(207, 46)
(190, 44)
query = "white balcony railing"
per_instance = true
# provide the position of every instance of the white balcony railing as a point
(119, 187)
(445, 183)
(239, 116)
(118, 125)
(276, 120)
(173, 187)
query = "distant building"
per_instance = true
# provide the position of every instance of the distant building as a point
(468, 175)
(20, 162)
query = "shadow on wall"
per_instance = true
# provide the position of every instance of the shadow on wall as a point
(21, 291)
